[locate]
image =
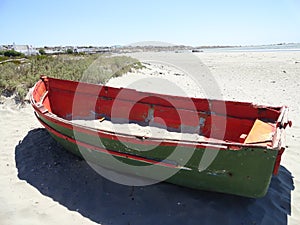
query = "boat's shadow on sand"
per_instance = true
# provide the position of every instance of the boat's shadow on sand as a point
(71, 182)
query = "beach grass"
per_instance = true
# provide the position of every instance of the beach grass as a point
(18, 74)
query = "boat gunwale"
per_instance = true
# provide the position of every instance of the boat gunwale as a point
(178, 98)
(222, 145)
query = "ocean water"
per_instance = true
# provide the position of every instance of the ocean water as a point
(257, 48)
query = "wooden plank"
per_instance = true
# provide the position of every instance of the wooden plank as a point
(260, 132)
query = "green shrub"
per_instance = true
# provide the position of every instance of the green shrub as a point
(42, 51)
(70, 51)
(13, 53)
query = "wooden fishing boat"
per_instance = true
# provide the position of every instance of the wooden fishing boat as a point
(222, 146)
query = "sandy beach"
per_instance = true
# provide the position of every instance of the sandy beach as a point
(41, 183)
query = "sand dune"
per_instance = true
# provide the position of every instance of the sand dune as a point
(41, 183)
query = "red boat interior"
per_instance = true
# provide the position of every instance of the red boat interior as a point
(229, 121)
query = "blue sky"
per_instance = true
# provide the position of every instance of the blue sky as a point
(112, 22)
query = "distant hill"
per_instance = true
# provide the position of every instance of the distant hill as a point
(150, 43)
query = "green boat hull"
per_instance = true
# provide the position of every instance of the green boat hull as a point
(245, 172)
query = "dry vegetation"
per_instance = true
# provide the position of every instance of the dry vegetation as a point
(17, 75)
